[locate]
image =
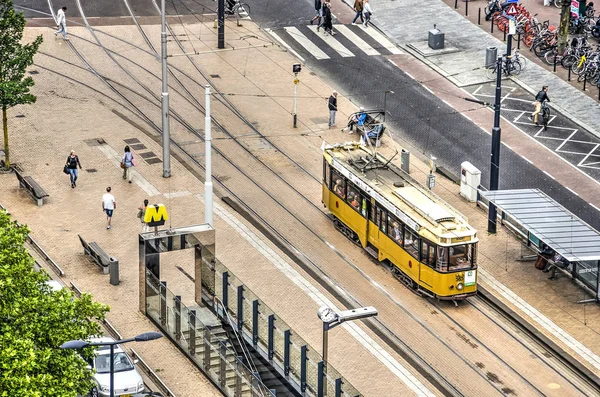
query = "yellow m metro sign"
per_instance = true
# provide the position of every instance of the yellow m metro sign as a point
(156, 215)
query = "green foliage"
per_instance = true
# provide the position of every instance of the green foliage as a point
(15, 58)
(35, 321)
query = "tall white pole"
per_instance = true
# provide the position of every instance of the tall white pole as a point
(166, 134)
(296, 81)
(208, 185)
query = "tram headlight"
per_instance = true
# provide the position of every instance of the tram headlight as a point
(459, 286)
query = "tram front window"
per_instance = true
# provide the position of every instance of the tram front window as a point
(460, 257)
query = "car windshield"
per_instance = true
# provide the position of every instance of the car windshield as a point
(121, 363)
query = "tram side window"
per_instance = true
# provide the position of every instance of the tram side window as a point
(442, 259)
(411, 242)
(373, 213)
(355, 199)
(326, 174)
(381, 217)
(428, 253)
(339, 184)
(395, 229)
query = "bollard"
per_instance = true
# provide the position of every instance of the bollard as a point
(492, 25)
(479, 17)
(113, 265)
(599, 91)
(455, 4)
(504, 35)
(554, 69)
(569, 76)
(519, 41)
(584, 80)
(467, 8)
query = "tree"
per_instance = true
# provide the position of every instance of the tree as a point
(14, 60)
(563, 28)
(35, 321)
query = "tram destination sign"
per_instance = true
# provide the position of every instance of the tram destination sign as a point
(378, 197)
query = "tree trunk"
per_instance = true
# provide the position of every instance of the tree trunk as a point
(563, 29)
(5, 128)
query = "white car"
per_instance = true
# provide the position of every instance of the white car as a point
(127, 380)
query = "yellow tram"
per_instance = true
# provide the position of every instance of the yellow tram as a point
(429, 245)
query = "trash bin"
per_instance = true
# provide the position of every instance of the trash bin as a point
(491, 54)
(113, 266)
(405, 161)
(436, 39)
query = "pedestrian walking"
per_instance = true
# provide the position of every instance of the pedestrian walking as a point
(328, 20)
(141, 214)
(126, 163)
(319, 12)
(61, 22)
(71, 164)
(108, 206)
(324, 8)
(367, 12)
(332, 108)
(358, 8)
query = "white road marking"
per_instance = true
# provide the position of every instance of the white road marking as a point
(549, 175)
(428, 89)
(588, 155)
(572, 191)
(286, 45)
(365, 340)
(305, 42)
(333, 43)
(526, 159)
(565, 141)
(505, 144)
(542, 320)
(356, 40)
(381, 39)
(406, 73)
(139, 180)
(594, 206)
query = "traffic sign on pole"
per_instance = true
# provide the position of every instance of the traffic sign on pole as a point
(512, 10)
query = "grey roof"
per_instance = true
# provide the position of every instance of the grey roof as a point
(549, 221)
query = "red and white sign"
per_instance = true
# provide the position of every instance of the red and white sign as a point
(512, 10)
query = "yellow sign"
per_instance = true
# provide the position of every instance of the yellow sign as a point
(156, 215)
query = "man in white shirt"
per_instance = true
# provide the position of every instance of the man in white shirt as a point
(108, 205)
(61, 22)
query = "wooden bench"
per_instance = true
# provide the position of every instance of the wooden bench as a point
(94, 251)
(32, 187)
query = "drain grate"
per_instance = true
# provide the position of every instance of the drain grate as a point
(154, 160)
(138, 146)
(147, 155)
(132, 140)
(34, 72)
(215, 76)
(91, 170)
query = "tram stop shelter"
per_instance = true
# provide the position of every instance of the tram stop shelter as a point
(543, 222)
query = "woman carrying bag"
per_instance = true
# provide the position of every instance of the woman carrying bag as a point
(126, 163)
(71, 168)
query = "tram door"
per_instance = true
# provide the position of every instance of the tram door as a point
(376, 220)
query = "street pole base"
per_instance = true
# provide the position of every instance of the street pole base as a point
(166, 173)
(295, 119)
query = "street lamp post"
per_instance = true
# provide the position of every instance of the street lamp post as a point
(332, 319)
(80, 344)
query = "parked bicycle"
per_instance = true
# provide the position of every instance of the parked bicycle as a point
(241, 10)
(511, 65)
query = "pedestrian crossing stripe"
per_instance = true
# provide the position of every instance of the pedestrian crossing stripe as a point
(313, 48)
(305, 42)
(381, 39)
(356, 40)
(333, 43)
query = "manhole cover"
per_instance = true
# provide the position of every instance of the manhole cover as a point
(91, 170)
(138, 146)
(154, 160)
(147, 155)
(132, 140)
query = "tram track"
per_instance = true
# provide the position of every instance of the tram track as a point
(331, 283)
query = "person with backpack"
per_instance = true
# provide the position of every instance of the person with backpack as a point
(72, 163)
(367, 12)
(126, 163)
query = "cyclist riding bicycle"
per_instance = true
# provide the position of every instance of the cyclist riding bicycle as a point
(539, 99)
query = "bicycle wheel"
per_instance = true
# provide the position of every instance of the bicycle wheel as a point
(243, 11)
(545, 117)
(514, 68)
(557, 3)
(568, 61)
(491, 73)
(551, 57)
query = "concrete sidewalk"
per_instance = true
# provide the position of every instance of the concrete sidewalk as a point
(462, 62)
